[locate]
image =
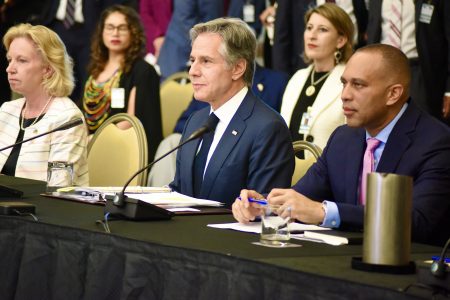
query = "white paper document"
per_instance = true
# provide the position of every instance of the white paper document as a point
(130, 189)
(255, 227)
(296, 230)
(174, 199)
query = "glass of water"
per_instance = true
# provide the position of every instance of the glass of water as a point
(274, 229)
(59, 175)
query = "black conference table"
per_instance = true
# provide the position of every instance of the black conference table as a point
(67, 255)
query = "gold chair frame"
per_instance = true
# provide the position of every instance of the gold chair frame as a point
(176, 94)
(302, 165)
(118, 168)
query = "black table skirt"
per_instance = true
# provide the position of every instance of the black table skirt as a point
(41, 261)
(67, 256)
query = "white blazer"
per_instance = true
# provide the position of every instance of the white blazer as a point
(326, 112)
(67, 145)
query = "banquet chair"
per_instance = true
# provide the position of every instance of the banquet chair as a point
(115, 154)
(176, 94)
(312, 153)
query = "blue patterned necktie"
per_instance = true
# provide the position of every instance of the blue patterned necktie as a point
(202, 156)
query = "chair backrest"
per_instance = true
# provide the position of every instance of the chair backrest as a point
(302, 165)
(176, 94)
(115, 154)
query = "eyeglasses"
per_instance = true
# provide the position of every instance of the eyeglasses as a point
(122, 29)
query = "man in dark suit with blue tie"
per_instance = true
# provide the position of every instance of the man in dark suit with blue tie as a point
(410, 142)
(251, 145)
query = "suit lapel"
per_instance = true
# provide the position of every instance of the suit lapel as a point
(356, 148)
(291, 94)
(227, 144)
(328, 93)
(189, 152)
(398, 140)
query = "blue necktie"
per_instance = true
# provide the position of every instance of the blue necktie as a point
(202, 156)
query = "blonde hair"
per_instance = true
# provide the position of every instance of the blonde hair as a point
(53, 53)
(340, 21)
(239, 42)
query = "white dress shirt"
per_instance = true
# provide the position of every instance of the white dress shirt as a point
(225, 113)
(61, 12)
(408, 30)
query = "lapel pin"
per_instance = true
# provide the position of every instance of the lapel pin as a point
(260, 87)
(234, 132)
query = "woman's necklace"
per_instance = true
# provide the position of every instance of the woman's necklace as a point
(37, 118)
(311, 89)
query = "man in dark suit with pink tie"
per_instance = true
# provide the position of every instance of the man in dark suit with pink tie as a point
(410, 142)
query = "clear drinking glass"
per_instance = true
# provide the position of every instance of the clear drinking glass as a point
(59, 175)
(274, 229)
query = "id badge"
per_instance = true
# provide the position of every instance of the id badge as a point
(426, 12)
(117, 98)
(249, 13)
(305, 124)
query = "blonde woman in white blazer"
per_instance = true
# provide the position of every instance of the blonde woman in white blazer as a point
(312, 106)
(40, 70)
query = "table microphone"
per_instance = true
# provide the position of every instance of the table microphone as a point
(439, 267)
(6, 191)
(120, 200)
(67, 125)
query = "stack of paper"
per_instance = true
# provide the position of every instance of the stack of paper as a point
(255, 227)
(130, 189)
(174, 199)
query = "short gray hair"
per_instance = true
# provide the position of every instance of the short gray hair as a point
(239, 42)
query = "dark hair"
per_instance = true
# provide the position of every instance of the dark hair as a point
(395, 63)
(99, 52)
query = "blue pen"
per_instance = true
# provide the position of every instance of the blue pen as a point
(446, 260)
(259, 201)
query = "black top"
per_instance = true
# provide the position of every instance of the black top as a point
(9, 168)
(147, 104)
(302, 105)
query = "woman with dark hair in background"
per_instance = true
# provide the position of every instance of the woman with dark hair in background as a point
(120, 80)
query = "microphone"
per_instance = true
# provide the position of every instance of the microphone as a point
(120, 199)
(207, 127)
(439, 267)
(67, 125)
(6, 191)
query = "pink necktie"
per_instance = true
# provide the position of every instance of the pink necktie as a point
(368, 163)
(395, 23)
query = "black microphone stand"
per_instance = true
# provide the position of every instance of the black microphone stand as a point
(70, 124)
(6, 191)
(135, 209)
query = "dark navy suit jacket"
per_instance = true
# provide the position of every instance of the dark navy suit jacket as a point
(418, 146)
(175, 51)
(259, 156)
